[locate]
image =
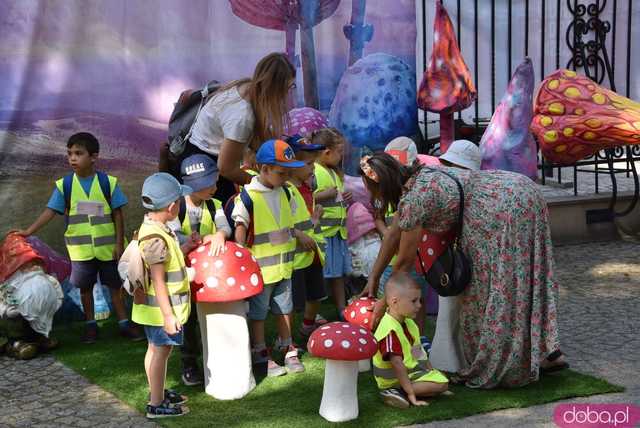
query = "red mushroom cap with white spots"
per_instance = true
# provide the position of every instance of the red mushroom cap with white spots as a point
(342, 341)
(359, 312)
(231, 276)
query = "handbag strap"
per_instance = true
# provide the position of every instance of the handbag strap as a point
(458, 226)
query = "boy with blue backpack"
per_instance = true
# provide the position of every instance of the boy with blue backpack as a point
(91, 202)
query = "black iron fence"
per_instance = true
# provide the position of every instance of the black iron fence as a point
(597, 38)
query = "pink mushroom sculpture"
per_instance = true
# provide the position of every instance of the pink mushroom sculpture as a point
(222, 284)
(360, 312)
(446, 85)
(288, 16)
(342, 344)
(304, 120)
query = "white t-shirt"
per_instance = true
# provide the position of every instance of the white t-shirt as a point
(226, 115)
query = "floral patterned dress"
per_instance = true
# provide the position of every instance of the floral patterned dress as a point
(508, 315)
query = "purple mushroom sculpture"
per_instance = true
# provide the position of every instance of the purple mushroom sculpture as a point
(288, 16)
(507, 143)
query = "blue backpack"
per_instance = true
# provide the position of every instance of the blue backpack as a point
(248, 204)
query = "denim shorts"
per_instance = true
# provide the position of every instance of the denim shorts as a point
(337, 262)
(158, 337)
(85, 273)
(275, 297)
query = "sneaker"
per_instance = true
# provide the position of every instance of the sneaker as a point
(306, 330)
(395, 398)
(90, 334)
(132, 333)
(174, 398)
(320, 320)
(166, 410)
(274, 369)
(191, 376)
(292, 363)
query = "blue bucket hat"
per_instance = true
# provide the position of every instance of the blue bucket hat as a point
(199, 172)
(161, 189)
(300, 144)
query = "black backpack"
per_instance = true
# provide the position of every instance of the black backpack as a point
(185, 113)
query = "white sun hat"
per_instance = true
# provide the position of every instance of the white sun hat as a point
(463, 153)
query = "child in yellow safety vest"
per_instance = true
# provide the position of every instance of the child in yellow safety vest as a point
(400, 366)
(91, 202)
(163, 306)
(329, 193)
(200, 219)
(273, 245)
(308, 278)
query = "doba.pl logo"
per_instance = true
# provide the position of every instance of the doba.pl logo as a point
(596, 415)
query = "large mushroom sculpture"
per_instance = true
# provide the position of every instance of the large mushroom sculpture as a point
(575, 118)
(288, 16)
(222, 284)
(446, 85)
(507, 144)
(360, 312)
(342, 344)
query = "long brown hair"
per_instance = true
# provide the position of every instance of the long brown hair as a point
(392, 176)
(268, 92)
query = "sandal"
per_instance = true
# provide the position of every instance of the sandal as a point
(556, 367)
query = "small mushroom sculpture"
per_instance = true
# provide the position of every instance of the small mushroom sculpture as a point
(446, 85)
(574, 118)
(222, 284)
(342, 344)
(360, 312)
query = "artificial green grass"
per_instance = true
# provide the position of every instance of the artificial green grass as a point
(292, 400)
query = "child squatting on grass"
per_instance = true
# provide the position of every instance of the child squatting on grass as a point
(400, 367)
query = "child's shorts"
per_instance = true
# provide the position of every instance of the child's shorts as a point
(275, 298)
(424, 287)
(337, 262)
(84, 274)
(158, 337)
(308, 286)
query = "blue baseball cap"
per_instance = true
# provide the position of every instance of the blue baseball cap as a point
(277, 152)
(300, 144)
(161, 189)
(199, 172)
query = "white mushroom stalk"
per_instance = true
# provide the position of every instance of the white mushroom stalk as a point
(226, 280)
(343, 345)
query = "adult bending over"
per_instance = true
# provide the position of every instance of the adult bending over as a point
(508, 314)
(243, 112)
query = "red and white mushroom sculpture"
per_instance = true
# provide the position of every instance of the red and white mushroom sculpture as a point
(360, 312)
(221, 286)
(342, 344)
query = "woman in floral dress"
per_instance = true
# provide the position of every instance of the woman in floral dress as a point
(508, 319)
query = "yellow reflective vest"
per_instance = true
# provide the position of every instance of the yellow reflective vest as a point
(302, 222)
(334, 216)
(89, 236)
(416, 367)
(273, 242)
(176, 279)
(207, 221)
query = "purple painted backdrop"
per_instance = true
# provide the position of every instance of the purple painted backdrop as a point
(115, 67)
